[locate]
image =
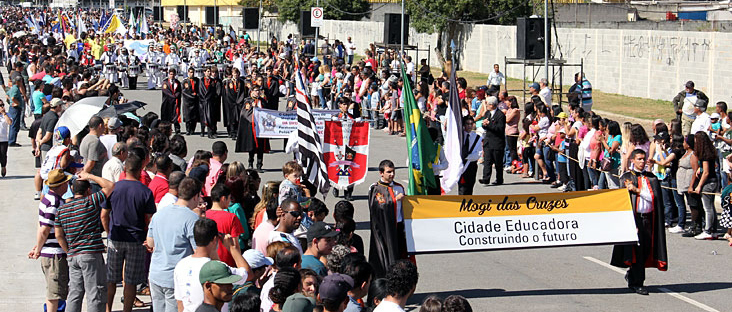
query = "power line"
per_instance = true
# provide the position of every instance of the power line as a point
(470, 21)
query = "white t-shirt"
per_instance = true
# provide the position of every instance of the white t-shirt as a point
(4, 129)
(350, 47)
(701, 123)
(266, 303)
(546, 94)
(388, 306)
(188, 287)
(112, 169)
(108, 140)
(277, 236)
(167, 200)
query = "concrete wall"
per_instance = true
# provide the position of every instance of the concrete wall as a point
(644, 63)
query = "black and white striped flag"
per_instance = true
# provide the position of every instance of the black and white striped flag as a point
(309, 142)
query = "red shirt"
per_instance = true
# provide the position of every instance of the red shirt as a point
(144, 177)
(159, 187)
(227, 223)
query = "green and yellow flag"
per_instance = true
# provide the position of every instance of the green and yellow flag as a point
(421, 149)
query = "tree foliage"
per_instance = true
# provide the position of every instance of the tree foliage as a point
(289, 10)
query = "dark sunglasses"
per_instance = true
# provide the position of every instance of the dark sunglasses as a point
(295, 214)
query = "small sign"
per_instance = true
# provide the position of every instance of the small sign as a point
(316, 17)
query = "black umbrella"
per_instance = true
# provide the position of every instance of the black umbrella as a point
(119, 109)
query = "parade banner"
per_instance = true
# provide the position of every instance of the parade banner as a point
(279, 125)
(471, 223)
(139, 46)
(346, 152)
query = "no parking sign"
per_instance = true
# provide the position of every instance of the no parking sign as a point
(316, 17)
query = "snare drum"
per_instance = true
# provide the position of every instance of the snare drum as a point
(110, 67)
(134, 70)
(121, 68)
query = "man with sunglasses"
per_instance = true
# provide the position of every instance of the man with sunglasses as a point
(289, 221)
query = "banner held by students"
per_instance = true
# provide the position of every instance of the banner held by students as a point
(472, 223)
(274, 124)
(346, 152)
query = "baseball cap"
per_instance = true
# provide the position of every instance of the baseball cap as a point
(562, 115)
(714, 116)
(701, 104)
(256, 259)
(217, 272)
(534, 85)
(335, 287)
(689, 84)
(55, 102)
(114, 123)
(298, 303)
(61, 133)
(319, 230)
(663, 135)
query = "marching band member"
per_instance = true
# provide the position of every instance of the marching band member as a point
(133, 70)
(162, 72)
(172, 60)
(108, 59)
(246, 141)
(122, 61)
(170, 109)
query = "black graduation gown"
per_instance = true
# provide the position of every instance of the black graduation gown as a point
(388, 241)
(624, 255)
(246, 140)
(170, 109)
(190, 100)
(210, 97)
(272, 91)
(234, 96)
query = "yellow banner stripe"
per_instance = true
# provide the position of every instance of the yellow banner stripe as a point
(434, 206)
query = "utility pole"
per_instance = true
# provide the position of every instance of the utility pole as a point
(317, 29)
(259, 25)
(546, 40)
(401, 41)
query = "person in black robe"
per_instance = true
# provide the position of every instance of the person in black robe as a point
(235, 92)
(190, 102)
(246, 138)
(210, 97)
(648, 210)
(272, 91)
(170, 109)
(388, 240)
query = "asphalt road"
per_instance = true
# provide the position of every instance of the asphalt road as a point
(549, 279)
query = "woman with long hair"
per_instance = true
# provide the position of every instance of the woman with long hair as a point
(671, 161)
(705, 183)
(286, 283)
(270, 191)
(625, 132)
(513, 115)
(638, 139)
(684, 176)
(572, 133)
(611, 141)
(238, 190)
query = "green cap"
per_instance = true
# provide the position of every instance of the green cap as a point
(217, 272)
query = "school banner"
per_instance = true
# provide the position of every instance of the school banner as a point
(346, 152)
(279, 125)
(139, 46)
(470, 223)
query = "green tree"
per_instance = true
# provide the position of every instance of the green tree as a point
(452, 19)
(289, 10)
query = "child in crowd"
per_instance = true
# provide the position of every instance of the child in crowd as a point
(290, 187)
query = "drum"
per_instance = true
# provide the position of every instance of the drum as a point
(134, 70)
(121, 68)
(110, 68)
(198, 72)
(98, 67)
(154, 67)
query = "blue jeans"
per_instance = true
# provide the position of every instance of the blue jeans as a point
(546, 151)
(680, 204)
(668, 199)
(15, 114)
(323, 102)
(506, 155)
(350, 59)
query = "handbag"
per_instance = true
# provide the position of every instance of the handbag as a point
(606, 164)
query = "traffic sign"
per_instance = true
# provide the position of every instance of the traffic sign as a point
(316, 17)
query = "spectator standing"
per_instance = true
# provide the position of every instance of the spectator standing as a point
(706, 183)
(5, 123)
(401, 282)
(494, 142)
(226, 222)
(93, 151)
(126, 218)
(260, 237)
(79, 232)
(321, 238)
(684, 105)
(174, 180)
(53, 259)
(220, 153)
(170, 237)
(350, 50)
(334, 291)
(15, 111)
(44, 139)
(159, 184)
(361, 272)
(290, 219)
(114, 167)
(217, 282)
(703, 121)
(495, 80)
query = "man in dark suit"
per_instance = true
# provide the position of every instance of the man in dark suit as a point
(494, 143)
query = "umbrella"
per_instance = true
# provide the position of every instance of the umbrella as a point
(77, 116)
(119, 109)
(19, 34)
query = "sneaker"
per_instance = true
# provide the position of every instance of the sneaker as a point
(676, 230)
(37, 196)
(556, 185)
(562, 188)
(704, 235)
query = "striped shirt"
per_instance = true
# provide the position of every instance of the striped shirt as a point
(47, 217)
(82, 225)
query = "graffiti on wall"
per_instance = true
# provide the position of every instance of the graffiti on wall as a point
(667, 50)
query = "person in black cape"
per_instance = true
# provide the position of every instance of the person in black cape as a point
(246, 138)
(648, 210)
(272, 90)
(235, 92)
(210, 96)
(170, 109)
(388, 240)
(190, 105)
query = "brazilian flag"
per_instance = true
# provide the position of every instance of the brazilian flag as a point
(421, 149)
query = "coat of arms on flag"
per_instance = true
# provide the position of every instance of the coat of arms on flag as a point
(346, 152)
